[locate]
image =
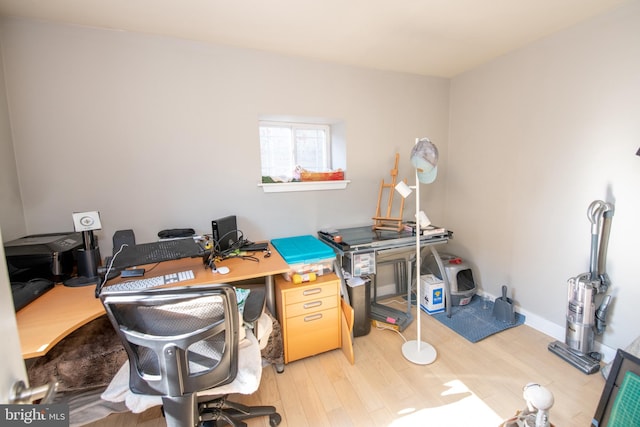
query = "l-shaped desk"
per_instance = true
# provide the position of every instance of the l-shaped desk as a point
(62, 310)
(47, 320)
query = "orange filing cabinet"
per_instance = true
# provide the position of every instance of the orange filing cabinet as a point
(309, 314)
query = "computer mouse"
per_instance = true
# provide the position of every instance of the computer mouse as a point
(222, 270)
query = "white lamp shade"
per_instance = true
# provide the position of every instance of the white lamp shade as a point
(403, 189)
(424, 157)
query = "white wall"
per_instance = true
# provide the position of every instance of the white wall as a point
(535, 137)
(160, 133)
(11, 213)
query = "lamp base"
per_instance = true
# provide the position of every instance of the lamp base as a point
(76, 282)
(423, 355)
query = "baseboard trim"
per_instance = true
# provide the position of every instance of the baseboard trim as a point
(556, 332)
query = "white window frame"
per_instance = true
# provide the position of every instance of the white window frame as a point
(328, 161)
(293, 126)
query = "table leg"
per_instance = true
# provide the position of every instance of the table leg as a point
(270, 289)
(409, 267)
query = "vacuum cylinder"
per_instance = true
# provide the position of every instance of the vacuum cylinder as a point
(580, 313)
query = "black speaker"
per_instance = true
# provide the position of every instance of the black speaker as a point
(122, 237)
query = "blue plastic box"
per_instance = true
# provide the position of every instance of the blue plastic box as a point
(305, 254)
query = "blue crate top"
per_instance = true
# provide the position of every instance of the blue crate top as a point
(302, 249)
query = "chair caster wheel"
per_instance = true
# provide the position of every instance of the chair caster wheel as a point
(274, 420)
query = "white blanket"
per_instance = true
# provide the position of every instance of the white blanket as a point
(246, 382)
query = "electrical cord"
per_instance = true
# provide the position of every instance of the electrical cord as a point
(237, 242)
(99, 286)
(388, 328)
(390, 302)
(234, 250)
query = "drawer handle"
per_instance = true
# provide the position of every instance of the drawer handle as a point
(311, 291)
(313, 317)
(313, 304)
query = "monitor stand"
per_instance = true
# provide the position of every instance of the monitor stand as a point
(87, 269)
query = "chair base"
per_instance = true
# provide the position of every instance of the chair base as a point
(221, 412)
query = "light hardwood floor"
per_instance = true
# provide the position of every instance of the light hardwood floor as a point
(468, 385)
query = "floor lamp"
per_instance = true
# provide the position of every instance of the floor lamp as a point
(424, 158)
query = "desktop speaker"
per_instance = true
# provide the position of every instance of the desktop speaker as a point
(123, 237)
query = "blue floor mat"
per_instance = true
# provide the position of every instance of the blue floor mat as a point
(474, 322)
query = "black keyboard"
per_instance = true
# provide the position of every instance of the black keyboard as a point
(151, 253)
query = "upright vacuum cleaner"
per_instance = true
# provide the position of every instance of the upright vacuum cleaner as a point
(583, 320)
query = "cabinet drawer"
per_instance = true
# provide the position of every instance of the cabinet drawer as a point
(314, 333)
(311, 306)
(311, 323)
(319, 290)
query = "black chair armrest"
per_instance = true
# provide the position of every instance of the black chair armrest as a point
(255, 302)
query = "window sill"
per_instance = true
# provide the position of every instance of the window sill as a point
(283, 187)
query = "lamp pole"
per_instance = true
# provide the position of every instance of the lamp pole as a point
(418, 351)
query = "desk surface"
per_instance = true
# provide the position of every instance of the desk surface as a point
(53, 316)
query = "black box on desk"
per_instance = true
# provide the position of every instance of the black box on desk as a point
(359, 290)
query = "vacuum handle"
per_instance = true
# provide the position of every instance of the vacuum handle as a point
(604, 244)
(599, 214)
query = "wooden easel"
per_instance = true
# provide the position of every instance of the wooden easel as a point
(389, 222)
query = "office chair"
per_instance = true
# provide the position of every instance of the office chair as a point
(180, 341)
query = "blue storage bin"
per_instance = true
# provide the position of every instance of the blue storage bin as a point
(305, 254)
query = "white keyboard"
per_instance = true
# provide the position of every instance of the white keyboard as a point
(135, 285)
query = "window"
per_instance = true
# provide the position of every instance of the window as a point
(302, 153)
(287, 147)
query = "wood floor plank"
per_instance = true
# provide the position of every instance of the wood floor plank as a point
(311, 398)
(321, 375)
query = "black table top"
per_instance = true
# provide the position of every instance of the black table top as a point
(365, 237)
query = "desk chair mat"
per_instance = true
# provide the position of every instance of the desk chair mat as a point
(86, 359)
(273, 351)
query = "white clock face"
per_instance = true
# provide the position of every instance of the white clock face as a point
(87, 221)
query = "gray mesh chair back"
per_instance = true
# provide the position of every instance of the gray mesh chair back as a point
(179, 340)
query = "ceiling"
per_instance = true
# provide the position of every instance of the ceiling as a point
(440, 38)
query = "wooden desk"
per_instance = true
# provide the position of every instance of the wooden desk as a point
(62, 310)
(53, 316)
